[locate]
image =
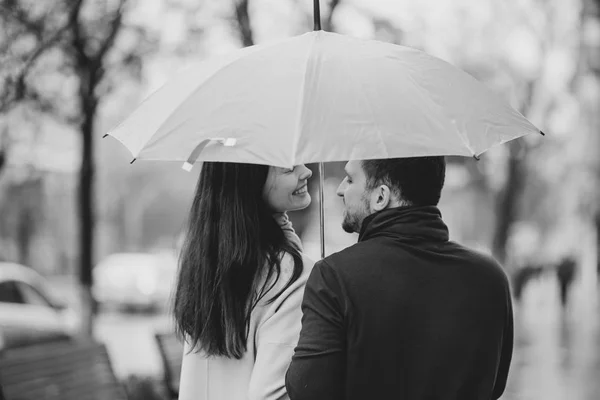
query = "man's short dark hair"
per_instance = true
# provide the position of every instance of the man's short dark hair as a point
(418, 181)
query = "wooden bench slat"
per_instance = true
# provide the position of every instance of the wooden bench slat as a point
(171, 352)
(46, 365)
(70, 370)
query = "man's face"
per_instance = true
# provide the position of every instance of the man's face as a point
(356, 197)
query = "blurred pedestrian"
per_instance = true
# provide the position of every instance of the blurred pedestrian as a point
(523, 276)
(241, 281)
(565, 273)
(405, 313)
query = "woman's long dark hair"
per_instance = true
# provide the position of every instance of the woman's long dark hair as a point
(232, 242)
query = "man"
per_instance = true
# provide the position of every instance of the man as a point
(404, 313)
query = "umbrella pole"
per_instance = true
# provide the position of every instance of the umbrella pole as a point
(317, 20)
(322, 208)
(317, 15)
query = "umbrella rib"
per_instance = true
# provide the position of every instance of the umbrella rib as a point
(304, 89)
(377, 127)
(442, 111)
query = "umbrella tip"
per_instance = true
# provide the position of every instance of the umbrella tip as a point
(132, 161)
(542, 133)
(187, 166)
(476, 157)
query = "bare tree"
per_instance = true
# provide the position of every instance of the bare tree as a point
(534, 104)
(327, 23)
(2, 158)
(76, 40)
(508, 199)
(529, 97)
(588, 89)
(594, 15)
(243, 22)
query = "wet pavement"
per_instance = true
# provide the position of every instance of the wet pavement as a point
(557, 351)
(556, 357)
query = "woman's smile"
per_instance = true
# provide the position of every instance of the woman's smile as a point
(302, 191)
(287, 189)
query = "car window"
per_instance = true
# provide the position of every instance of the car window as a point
(31, 295)
(9, 293)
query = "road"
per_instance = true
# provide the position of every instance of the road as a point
(556, 357)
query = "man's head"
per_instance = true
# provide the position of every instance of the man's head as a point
(374, 185)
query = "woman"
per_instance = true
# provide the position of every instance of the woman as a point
(241, 282)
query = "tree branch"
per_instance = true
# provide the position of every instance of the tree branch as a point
(115, 26)
(242, 17)
(77, 40)
(328, 23)
(20, 81)
(36, 27)
(12, 10)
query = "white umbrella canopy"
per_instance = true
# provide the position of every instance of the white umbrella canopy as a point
(319, 97)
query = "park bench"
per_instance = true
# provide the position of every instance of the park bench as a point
(170, 348)
(65, 370)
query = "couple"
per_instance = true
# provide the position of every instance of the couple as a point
(403, 314)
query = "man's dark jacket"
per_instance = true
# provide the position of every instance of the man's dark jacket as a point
(404, 314)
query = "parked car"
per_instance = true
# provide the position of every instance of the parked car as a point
(138, 281)
(29, 311)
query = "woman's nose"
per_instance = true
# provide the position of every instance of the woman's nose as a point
(305, 173)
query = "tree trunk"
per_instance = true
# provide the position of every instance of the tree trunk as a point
(589, 92)
(507, 205)
(328, 24)
(29, 197)
(86, 215)
(242, 16)
(24, 233)
(598, 245)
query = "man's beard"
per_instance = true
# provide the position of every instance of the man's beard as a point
(352, 222)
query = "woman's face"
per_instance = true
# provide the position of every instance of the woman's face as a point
(286, 189)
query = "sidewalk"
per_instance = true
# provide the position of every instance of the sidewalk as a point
(557, 351)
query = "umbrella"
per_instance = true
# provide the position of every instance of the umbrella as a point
(319, 97)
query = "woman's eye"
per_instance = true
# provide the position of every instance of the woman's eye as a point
(289, 170)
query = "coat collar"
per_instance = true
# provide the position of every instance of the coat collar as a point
(409, 222)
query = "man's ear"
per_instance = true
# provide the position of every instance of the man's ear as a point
(381, 198)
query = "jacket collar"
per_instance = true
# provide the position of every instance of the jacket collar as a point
(409, 222)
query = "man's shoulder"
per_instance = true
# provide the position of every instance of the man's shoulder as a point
(361, 252)
(368, 249)
(483, 260)
(475, 253)
(349, 253)
(350, 260)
